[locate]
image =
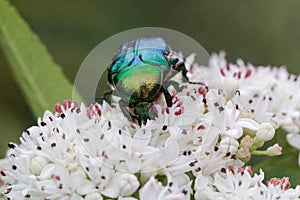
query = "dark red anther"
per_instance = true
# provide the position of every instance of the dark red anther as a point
(249, 169)
(248, 73)
(179, 103)
(241, 170)
(201, 127)
(167, 110)
(92, 110)
(66, 105)
(202, 91)
(180, 111)
(239, 75)
(58, 108)
(231, 169)
(240, 183)
(98, 111)
(75, 104)
(53, 176)
(228, 66)
(222, 71)
(284, 182)
(174, 99)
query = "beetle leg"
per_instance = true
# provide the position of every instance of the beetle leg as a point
(184, 72)
(123, 106)
(168, 96)
(181, 68)
(106, 97)
(174, 61)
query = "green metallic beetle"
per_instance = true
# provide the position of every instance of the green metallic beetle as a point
(140, 72)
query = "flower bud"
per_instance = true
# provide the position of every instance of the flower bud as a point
(229, 144)
(247, 141)
(128, 184)
(274, 150)
(265, 132)
(244, 154)
(283, 182)
(37, 164)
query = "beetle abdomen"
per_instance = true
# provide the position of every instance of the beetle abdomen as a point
(139, 83)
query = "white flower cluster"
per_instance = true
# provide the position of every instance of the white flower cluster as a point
(233, 183)
(193, 150)
(266, 94)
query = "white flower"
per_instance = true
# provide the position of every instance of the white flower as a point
(238, 183)
(235, 184)
(211, 161)
(226, 117)
(230, 183)
(275, 189)
(132, 149)
(155, 190)
(230, 87)
(122, 184)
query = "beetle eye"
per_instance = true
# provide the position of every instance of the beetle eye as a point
(166, 52)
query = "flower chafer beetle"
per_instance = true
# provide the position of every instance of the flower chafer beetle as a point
(140, 72)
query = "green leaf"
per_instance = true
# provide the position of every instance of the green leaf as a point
(41, 80)
(285, 168)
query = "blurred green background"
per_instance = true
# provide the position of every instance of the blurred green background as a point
(262, 32)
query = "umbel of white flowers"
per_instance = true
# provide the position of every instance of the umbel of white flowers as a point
(195, 149)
